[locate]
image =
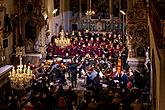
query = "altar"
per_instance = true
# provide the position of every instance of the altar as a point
(4, 72)
(33, 58)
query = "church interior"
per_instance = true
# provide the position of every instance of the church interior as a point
(82, 54)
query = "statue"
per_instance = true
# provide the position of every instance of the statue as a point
(20, 51)
(29, 45)
(30, 29)
(147, 60)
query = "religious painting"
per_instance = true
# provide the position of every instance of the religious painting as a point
(7, 24)
(30, 35)
(30, 28)
(57, 6)
(101, 8)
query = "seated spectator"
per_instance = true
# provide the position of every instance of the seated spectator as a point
(92, 105)
(29, 106)
(129, 85)
(116, 101)
(137, 105)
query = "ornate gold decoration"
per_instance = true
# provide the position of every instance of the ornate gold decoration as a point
(137, 31)
(140, 33)
(130, 16)
(62, 41)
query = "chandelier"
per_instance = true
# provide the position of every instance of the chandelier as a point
(90, 13)
(62, 41)
(20, 77)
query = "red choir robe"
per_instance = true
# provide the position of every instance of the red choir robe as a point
(100, 52)
(97, 41)
(55, 50)
(91, 41)
(60, 51)
(111, 51)
(50, 50)
(83, 50)
(89, 47)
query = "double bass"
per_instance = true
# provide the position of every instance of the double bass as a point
(119, 65)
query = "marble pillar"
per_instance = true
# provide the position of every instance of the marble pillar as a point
(64, 10)
(50, 15)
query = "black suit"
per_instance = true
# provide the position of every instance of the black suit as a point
(73, 70)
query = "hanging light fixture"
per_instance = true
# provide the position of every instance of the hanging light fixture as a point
(21, 77)
(62, 42)
(89, 13)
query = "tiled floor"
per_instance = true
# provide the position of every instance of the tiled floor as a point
(80, 83)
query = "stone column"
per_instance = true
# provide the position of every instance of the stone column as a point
(80, 9)
(121, 17)
(80, 13)
(66, 15)
(111, 14)
(66, 5)
(129, 4)
(135, 1)
(88, 5)
(50, 15)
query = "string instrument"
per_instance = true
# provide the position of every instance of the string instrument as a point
(106, 72)
(119, 65)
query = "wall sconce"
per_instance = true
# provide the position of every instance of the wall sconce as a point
(54, 12)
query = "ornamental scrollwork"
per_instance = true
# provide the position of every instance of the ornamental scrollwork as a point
(130, 16)
(140, 34)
